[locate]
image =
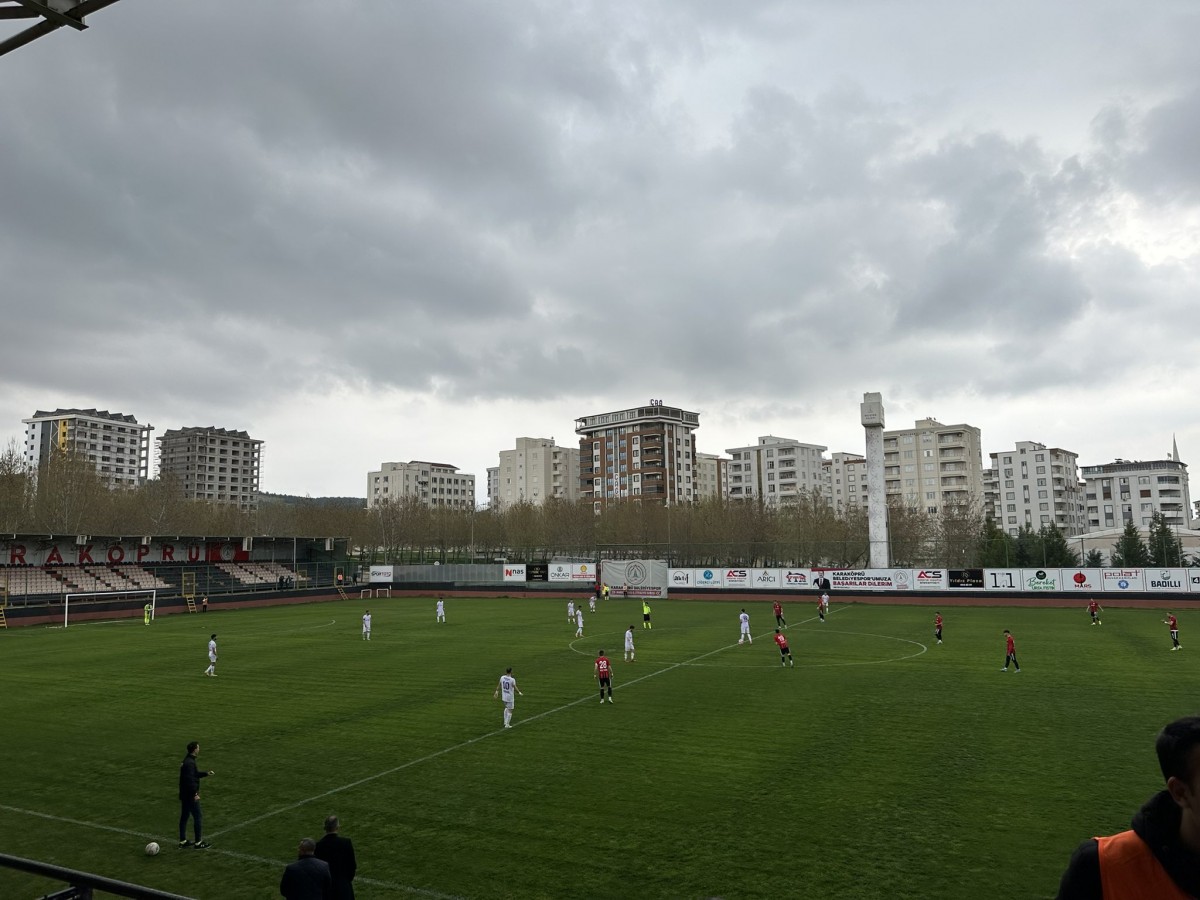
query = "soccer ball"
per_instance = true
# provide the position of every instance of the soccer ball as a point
(152, 849)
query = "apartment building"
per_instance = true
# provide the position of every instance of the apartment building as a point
(1132, 491)
(776, 470)
(932, 465)
(433, 484)
(643, 452)
(115, 443)
(534, 471)
(711, 476)
(213, 464)
(1034, 485)
(845, 481)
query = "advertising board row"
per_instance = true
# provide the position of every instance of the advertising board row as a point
(1171, 581)
(569, 573)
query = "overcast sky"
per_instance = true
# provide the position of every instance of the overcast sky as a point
(369, 230)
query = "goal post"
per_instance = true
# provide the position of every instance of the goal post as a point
(124, 599)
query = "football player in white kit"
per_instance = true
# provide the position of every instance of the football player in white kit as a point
(441, 611)
(506, 690)
(570, 610)
(744, 618)
(579, 622)
(629, 645)
(367, 625)
(212, 657)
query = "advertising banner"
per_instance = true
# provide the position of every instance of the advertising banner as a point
(1002, 579)
(737, 578)
(1168, 581)
(514, 572)
(1194, 578)
(1123, 579)
(929, 579)
(766, 579)
(578, 572)
(380, 574)
(870, 579)
(971, 579)
(797, 579)
(537, 572)
(1080, 580)
(681, 579)
(711, 578)
(1039, 579)
(637, 577)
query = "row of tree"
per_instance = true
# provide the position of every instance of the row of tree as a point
(66, 496)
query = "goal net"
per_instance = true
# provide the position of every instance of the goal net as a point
(112, 604)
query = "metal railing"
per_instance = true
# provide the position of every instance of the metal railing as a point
(82, 885)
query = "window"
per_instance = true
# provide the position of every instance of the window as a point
(1011, 495)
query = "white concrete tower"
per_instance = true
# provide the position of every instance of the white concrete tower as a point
(872, 421)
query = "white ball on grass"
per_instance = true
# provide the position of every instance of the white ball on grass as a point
(152, 849)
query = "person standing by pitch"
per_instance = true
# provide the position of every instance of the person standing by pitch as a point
(189, 797)
(338, 851)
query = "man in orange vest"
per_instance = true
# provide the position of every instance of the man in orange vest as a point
(1159, 857)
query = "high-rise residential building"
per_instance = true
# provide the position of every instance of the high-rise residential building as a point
(1125, 491)
(115, 443)
(644, 452)
(213, 464)
(1034, 485)
(845, 481)
(775, 470)
(931, 465)
(711, 476)
(493, 487)
(433, 484)
(534, 471)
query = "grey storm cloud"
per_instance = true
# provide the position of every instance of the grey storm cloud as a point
(488, 201)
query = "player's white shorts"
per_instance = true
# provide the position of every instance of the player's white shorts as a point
(745, 628)
(212, 657)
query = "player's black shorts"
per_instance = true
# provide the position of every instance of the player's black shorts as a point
(606, 682)
(784, 650)
(645, 617)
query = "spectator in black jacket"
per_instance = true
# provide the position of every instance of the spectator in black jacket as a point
(189, 797)
(338, 851)
(308, 877)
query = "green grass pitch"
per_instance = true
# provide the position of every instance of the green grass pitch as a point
(882, 765)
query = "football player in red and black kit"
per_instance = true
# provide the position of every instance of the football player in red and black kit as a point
(785, 654)
(779, 620)
(604, 675)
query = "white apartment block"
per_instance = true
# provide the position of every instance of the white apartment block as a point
(433, 484)
(711, 475)
(644, 452)
(776, 470)
(845, 481)
(535, 471)
(115, 443)
(1124, 491)
(212, 464)
(1034, 485)
(931, 465)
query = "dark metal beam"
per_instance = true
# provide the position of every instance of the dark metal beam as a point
(30, 8)
(52, 15)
